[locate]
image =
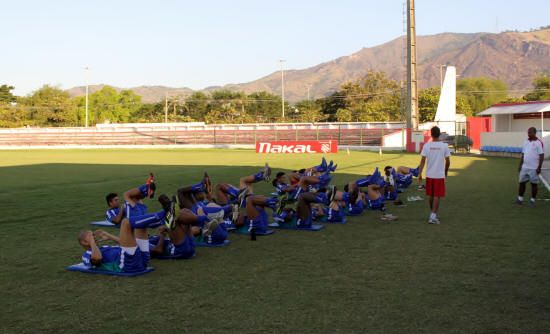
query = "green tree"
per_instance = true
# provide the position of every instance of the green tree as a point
(196, 106)
(428, 99)
(265, 107)
(344, 115)
(6, 95)
(108, 105)
(307, 112)
(373, 98)
(480, 93)
(541, 85)
(330, 105)
(49, 106)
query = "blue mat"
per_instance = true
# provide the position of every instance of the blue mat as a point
(105, 223)
(172, 257)
(205, 244)
(325, 220)
(244, 230)
(292, 226)
(83, 269)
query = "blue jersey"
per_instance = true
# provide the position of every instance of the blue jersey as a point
(198, 205)
(113, 258)
(280, 188)
(111, 213)
(109, 254)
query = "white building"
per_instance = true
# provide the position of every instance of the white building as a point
(510, 122)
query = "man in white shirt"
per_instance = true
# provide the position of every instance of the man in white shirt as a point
(532, 156)
(438, 155)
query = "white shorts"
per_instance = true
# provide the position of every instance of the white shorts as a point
(528, 175)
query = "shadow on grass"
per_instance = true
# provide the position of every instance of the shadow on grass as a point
(347, 278)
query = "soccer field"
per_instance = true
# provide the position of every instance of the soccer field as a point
(486, 268)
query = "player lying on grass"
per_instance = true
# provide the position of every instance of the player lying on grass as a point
(405, 176)
(116, 212)
(391, 186)
(207, 220)
(130, 255)
(256, 217)
(189, 196)
(227, 193)
(306, 200)
(284, 186)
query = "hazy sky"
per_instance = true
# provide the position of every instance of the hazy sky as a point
(203, 43)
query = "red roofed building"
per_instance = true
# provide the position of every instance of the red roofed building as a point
(510, 122)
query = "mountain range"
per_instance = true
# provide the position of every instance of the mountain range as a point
(513, 57)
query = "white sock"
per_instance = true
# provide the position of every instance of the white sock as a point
(532, 200)
(520, 198)
(433, 216)
(143, 244)
(129, 250)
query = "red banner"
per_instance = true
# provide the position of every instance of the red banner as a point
(306, 146)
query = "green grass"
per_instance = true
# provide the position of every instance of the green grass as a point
(484, 269)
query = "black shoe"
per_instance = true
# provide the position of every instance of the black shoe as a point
(170, 219)
(280, 206)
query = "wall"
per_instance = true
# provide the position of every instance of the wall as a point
(476, 126)
(395, 139)
(513, 139)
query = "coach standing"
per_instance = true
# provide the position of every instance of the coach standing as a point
(530, 165)
(438, 156)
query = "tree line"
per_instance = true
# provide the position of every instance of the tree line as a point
(372, 98)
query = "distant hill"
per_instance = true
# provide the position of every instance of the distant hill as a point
(514, 57)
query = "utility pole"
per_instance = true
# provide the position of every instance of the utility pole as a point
(412, 84)
(281, 61)
(166, 108)
(308, 99)
(86, 69)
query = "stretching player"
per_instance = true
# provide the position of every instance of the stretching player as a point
(256, 218)
(405, 176)
(227, 193)
(207, 220)
(131, 254)
(115, 213)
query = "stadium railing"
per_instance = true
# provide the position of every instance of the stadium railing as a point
(352, 134)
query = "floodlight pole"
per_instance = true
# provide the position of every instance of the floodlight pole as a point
(281, 61)
(412, 84)
(86, 69)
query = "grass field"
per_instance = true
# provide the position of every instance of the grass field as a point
(485, 269)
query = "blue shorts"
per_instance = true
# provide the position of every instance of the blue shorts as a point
(259, 223)
(186, 249)
(357, 208)
(376, 204)
(334, 216)
(218, 236)
(132, 263)
(391, 196)
(404, 181)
